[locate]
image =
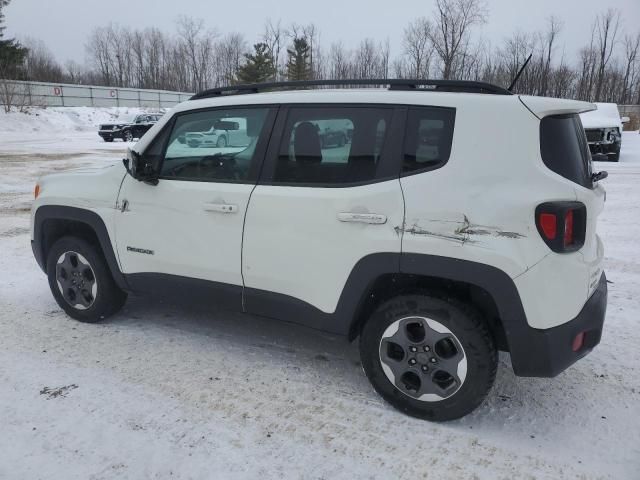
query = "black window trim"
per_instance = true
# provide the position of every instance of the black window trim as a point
(388, 169)
(439, 165)
(261, 147)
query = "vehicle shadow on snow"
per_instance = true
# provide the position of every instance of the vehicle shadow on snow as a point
(512, 402)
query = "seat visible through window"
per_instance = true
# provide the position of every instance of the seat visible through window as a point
(332, 145)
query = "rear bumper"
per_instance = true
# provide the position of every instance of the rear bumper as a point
(546, 353)
(608, 148)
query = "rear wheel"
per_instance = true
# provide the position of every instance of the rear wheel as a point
(81, 281)
(429, 356)
(127, 136)
(222, 142)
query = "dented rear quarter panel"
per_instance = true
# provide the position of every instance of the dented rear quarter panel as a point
(478, 207)
(481, 207)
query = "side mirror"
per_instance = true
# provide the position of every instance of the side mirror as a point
(139, 168)
(625, 119)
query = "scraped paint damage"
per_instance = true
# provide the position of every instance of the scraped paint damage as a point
(462, 234)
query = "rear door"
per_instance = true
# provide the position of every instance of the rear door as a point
(318, 210)
(190, 224)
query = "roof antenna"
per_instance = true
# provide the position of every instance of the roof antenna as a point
(524, 65)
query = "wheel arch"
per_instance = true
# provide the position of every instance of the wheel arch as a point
(487, 288)
(52, 222)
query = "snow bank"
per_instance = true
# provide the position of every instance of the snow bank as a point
(64, 119)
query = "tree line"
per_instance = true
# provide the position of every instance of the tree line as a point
(445, 44)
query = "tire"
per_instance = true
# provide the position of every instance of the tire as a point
(127, 136)
(462, 339)
(222, 142)
(94, 296)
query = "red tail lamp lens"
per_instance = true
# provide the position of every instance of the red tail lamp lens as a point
(548, 224)
(568, 228)
(578, 342)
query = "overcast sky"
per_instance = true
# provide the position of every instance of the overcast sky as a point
(65, 24)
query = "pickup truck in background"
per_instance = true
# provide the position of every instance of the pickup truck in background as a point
(604, 131)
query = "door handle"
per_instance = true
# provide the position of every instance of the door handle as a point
(373, 218)
(220, 207)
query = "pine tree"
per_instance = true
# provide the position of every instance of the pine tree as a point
(298, 63)
(12, 54)
(258, 66)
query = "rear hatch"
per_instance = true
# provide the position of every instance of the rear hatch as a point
(565, 151)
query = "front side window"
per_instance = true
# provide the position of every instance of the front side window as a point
(428, 138)
(332, 145)
(214, 145)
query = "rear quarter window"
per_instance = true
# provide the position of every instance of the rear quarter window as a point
(564, 148)
(428, 138)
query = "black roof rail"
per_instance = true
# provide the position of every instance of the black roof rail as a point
(467, 86)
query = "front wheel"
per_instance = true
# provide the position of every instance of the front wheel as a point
(81, 281)
(429, 356)
(222, 142)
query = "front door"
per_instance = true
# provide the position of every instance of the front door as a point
(189, 226)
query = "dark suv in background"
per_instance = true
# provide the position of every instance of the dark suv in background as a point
(127, 131)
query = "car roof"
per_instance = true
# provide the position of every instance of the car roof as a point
(342, 95)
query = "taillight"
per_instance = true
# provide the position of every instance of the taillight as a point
(562, 225)
(568, 228)
(36, 191)
(549, 225)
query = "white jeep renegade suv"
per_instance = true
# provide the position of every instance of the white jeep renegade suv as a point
(451, 220)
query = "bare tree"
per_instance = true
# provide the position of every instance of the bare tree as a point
(273, 37)
(339, 62)
(196, 45)
(40, 64)
(229, 53)
(549, 39)
(606, 28)
(417, 48)
(631, 47)
(450, 34)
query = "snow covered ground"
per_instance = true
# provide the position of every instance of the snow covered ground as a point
(173, 391)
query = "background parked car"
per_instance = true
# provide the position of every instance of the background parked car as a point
(604, 130)
(127, 131)
(230, 132)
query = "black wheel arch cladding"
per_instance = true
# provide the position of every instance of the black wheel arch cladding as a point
(53, 213)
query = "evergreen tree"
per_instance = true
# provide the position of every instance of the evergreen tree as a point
(12, 54)
(258, 67)
(298, 63)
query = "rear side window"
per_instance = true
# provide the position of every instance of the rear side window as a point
(327, 146)
(564, 148)
(428, 138)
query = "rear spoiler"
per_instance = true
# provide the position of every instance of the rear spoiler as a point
(545, 106)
